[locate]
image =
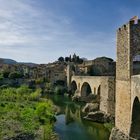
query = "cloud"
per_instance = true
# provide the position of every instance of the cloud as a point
(20, 22)
(41, 35)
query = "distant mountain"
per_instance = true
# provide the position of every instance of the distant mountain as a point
(28, 64)
(7, 61)
(11, 61)
(84, 59)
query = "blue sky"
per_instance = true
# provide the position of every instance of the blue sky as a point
(42, 30)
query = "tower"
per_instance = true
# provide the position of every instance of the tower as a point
(128, 45)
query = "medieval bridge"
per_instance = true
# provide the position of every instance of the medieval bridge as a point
(103, 86)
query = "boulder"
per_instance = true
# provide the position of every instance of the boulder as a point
(90, 107)
(76, 98)
(23, 136)
(99, 116)
(116, 134)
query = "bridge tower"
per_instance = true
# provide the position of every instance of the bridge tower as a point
(128, 44)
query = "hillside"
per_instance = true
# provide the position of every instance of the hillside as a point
(7, 61)
(11, 61)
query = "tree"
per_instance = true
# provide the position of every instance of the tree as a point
(81, 60)
(70, 58)
(61, 59)
(67, 59)
(14, 75)
(5, 73)
(74, 58)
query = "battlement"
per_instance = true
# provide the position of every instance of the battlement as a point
(134, 22)
(131, 23)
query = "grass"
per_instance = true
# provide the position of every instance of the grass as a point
(22, 112)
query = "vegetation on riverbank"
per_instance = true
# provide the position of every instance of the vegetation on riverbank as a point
(23, 112)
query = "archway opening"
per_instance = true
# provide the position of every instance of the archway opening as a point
(85, 90)
(99, 90)
(135, 125)
(73, 87)
(95, 90)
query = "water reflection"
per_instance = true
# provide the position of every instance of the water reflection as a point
(71, 126)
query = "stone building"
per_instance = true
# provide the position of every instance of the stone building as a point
(101, 66)
(56, 72)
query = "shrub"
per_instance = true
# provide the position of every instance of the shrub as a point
(47, 132)
(4, 86)
(23, 90)
(35, 95)
(48, 86)
(5, 74)
(14, 75)
(39, 81)
(1, 77)
(19, 115)
(44, 112)
(59, 90)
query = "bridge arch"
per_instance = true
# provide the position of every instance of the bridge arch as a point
(85, 89)
(135, 122)
(73, 87)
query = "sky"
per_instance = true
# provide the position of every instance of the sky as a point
(40, 31)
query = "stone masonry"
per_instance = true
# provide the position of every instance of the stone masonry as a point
(128, 41)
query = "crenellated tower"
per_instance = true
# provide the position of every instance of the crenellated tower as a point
(128, 46)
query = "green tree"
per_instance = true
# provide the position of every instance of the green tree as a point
(5, 73)
(14, 75)
(67, 59)
(61, 59)
(44, 112)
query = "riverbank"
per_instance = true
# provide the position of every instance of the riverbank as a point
(24, 115)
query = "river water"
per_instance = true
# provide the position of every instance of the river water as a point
(71, 126)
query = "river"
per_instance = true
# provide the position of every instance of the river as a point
(71, 126)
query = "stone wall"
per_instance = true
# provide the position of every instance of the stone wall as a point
(107, 97)
(123, 93)
(111, 96)
(69, 75)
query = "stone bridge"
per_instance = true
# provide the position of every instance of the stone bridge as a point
(104, 86)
